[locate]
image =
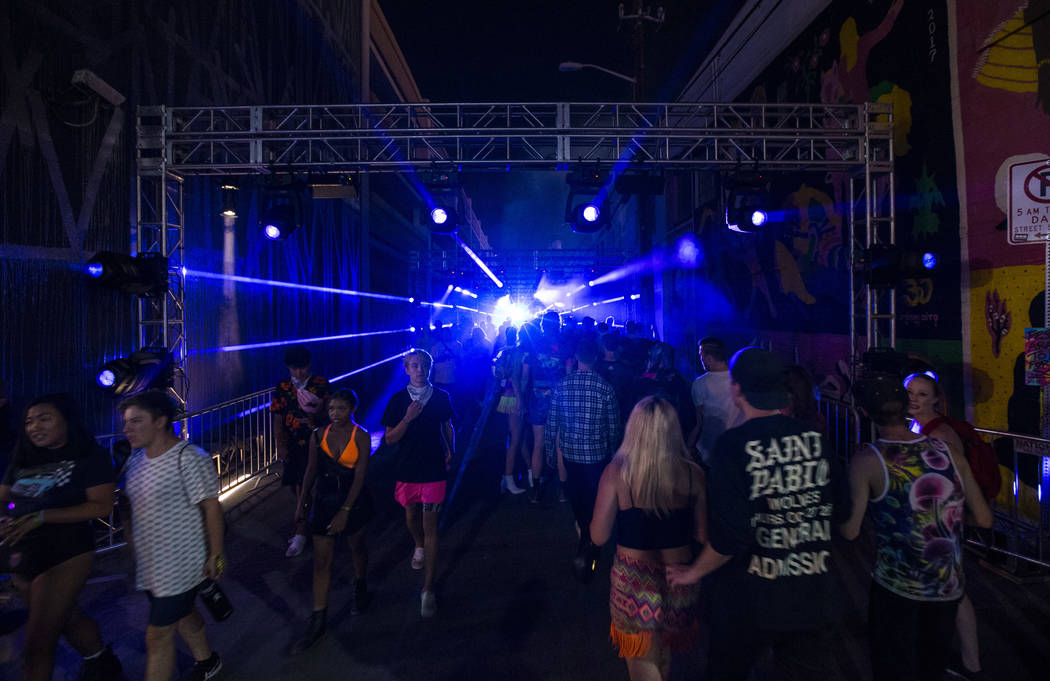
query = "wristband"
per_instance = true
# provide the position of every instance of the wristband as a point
(220, 563)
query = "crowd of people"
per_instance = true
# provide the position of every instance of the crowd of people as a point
(728, 480)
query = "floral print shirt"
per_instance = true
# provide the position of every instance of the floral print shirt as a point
(919, 521)
(296, 422)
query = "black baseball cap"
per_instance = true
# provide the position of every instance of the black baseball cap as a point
(760, 375)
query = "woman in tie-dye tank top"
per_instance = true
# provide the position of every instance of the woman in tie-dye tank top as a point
(917, 490)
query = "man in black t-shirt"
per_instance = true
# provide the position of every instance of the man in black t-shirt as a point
(774, 493)
(419, 420)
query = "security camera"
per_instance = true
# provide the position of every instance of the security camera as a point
(87, 81)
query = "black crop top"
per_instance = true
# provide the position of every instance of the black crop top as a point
(642, 529)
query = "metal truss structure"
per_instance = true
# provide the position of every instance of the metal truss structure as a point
(872, 223)
(393, 137)
(160, 228)
(855, 141)
(521, 270)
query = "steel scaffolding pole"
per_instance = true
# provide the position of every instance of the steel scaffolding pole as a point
(160, 230)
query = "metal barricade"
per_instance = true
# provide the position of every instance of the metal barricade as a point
(841, 425)
(237, 433)
(1019, 544)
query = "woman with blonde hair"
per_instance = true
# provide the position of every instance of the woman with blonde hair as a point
(656, 496)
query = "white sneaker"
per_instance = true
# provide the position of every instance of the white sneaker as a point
(428, 606)
(295, 546)
(509, 485)
(417, 558)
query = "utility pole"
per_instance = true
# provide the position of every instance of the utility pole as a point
(650, 283)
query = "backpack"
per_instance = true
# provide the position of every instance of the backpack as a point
(983, 460)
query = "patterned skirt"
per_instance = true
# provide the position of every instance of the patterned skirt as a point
(643, 605)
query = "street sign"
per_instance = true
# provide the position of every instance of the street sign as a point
(1029, 202)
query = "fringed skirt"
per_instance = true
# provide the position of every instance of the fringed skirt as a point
(643, 605)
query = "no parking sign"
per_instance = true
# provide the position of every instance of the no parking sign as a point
(1029, 202)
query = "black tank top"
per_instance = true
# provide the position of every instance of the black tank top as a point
(642, 529)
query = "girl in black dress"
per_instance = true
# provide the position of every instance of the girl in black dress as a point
(335, 501)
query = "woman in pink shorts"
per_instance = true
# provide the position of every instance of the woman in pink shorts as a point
(418, 420)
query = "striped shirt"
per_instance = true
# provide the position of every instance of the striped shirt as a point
(584, 418)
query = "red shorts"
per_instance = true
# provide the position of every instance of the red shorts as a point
(428, 493)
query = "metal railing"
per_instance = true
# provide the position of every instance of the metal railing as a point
(237, 433)
(1021, 510)
(1020, 541)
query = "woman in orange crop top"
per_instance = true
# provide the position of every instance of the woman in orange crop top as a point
(337, 504)
(657, 498)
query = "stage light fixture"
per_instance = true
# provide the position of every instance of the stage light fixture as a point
(747, 203)
(144, 275)
(443, 217)
(586, 217)
(282, 211)
(886, 266)
(146, 369)
(228, 198)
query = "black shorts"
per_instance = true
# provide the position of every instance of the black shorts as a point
(330, 491)
(45, 547)
(168, 610)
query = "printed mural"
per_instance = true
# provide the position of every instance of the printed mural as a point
(1003, 85)
(793, 278)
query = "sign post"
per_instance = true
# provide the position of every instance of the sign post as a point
(1029, 223)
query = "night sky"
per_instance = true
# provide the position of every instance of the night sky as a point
(473, 51)
(500, 51)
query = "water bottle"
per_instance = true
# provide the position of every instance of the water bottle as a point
(215, 600)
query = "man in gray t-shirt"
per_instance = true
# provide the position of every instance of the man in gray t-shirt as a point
(176, 532)
(713, 399)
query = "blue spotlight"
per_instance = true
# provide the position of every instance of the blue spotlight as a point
(590, 212)
(94, 270)
(929, 260)
(636, 296)
(687, 252)
(439, 216)
(106, 379)
(759, 218)
(272, 231)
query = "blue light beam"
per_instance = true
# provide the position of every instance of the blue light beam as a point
(369, 366)
(296, 341)
(301, 287)
(478, 261)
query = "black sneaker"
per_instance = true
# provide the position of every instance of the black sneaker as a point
(314, 632)
(362, 597)
(105, 667)
(204, 670)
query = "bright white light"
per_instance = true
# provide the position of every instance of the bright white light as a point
(517, 313)
(272, 231)
(547, 295)
(759, 217)
(439, 216)
(590, 283)
(590, 213)
(412, 329)
(636, 296)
